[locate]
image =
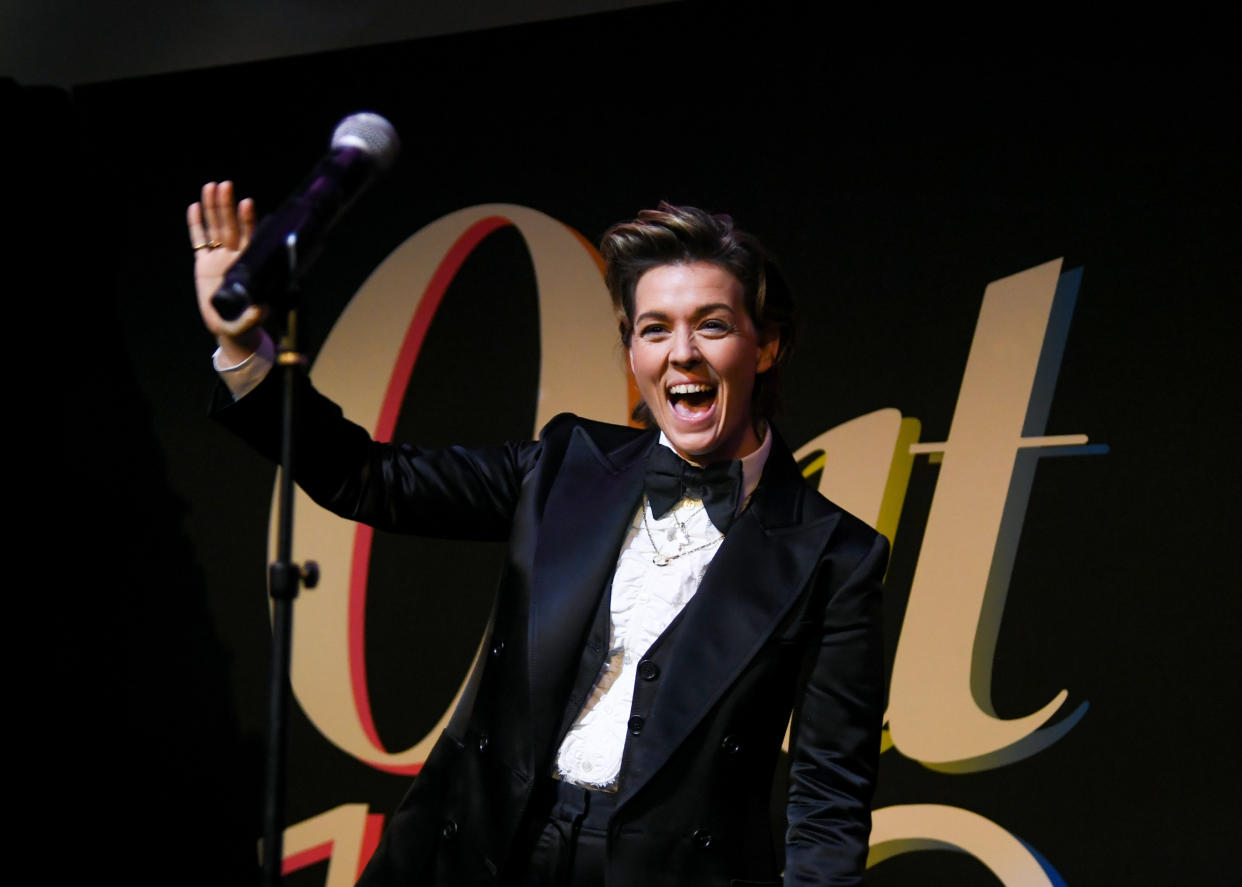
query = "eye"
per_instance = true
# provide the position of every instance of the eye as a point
(652, 331)
(716, 326)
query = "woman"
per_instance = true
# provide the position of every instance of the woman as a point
(668, 597)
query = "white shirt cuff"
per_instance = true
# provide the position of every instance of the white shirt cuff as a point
(246, 376)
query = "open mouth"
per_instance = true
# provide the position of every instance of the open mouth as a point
(692, 400)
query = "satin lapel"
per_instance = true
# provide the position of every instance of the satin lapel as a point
(759, 572)
(584, 523)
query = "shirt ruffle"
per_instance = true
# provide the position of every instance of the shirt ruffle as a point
(646, 598)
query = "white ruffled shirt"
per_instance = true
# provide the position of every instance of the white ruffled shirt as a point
(646, 598)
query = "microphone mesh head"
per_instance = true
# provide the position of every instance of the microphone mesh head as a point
(371, 134)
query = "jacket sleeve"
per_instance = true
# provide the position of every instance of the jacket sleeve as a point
(835, 741)
(447, 492)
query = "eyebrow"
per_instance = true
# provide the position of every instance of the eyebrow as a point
(699, 312)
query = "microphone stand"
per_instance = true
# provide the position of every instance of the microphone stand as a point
(284, 580)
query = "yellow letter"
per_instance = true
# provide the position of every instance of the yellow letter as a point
(865, 466)
(940, 710)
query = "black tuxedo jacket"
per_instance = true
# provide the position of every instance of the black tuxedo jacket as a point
(787, 616)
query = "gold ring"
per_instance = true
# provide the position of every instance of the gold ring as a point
(211, 244)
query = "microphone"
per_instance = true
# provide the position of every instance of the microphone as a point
(363, 145)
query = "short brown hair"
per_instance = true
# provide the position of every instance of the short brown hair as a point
(678, 235)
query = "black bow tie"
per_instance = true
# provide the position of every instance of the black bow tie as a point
(671, 478)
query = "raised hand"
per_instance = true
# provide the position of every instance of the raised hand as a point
(219, 230)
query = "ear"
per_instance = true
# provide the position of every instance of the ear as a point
(769, 347)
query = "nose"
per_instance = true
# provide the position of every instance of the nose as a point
(684, 350)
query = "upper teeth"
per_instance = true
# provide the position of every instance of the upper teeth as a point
(695, 388)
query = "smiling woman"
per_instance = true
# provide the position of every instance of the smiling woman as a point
(676, 236)
(695, 354)
(666, 601)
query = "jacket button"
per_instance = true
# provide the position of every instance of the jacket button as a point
(731, 744)
(702, 838)
(636, 725)
(497, 648)
(483, 741)
(449, 829)
(648, 670)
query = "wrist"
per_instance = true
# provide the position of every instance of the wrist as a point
(238, 349)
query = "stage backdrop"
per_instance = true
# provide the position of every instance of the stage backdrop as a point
(1019, 297)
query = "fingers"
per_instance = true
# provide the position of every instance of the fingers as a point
(245, 217)
(210, 212)
(194, 222)
(217, 221)
(225, 216)
(241, 330)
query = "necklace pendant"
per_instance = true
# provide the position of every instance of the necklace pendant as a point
(660, 560)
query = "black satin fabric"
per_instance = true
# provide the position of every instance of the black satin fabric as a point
(569, 850)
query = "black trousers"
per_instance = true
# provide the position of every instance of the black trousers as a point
(569, 850)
